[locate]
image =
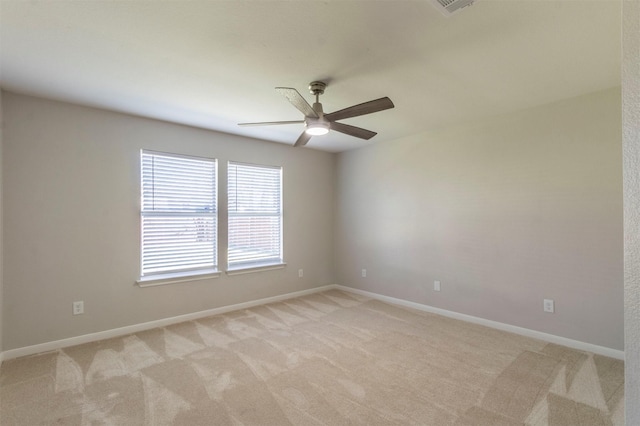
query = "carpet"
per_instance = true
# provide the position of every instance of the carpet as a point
(331, 358)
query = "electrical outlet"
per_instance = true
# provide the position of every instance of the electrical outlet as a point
(548, 306)
(300, 273)
(364, 273)
(436, 285)
(78, 307)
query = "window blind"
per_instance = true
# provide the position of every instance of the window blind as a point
(255, 215)
(179, 214)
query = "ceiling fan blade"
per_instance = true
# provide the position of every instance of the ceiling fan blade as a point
(353, 130)
(361, 109)
(271, 123)
(302, 139)
(297, 101)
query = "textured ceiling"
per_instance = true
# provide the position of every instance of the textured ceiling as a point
(213, 64)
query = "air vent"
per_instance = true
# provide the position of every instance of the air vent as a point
(449, 7)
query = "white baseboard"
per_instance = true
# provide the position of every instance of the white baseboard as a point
(575, 344)
(123, 331)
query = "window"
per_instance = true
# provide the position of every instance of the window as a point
(179, 215)
(255, 215)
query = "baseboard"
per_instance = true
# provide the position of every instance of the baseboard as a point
(123, 331)
(575, 344)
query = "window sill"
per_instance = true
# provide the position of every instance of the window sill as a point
(257, 268)
(156, 280)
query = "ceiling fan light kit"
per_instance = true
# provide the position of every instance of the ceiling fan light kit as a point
(317, 128)
(318, 123)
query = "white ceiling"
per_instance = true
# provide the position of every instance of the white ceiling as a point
(213, 64)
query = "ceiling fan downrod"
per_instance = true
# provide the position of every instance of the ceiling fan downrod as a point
(317, 88)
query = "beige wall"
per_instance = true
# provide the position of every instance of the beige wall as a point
(504, 212)
(1, 262)
(631, 128)
(71, 200)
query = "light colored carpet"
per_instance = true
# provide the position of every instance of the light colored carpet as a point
(332, 358)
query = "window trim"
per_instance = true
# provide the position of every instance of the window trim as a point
(256, 268)
(176, 278)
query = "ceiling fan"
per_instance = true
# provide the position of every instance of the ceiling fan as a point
(317, 122)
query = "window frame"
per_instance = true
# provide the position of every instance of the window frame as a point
(253, 265)
(179, 274)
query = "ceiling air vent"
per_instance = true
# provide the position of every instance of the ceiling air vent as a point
(449, 7)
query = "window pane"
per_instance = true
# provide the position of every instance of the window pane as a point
(177, 243)
(177, 183)
(179, 217)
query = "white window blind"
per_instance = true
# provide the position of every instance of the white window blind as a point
(255, 215)
(179, 214)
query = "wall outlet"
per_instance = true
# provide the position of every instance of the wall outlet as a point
(548, 306)
(364, 273)
(300, 273)
(78, 307)
(436, 285)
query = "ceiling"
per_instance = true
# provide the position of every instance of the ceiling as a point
(213, 64)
